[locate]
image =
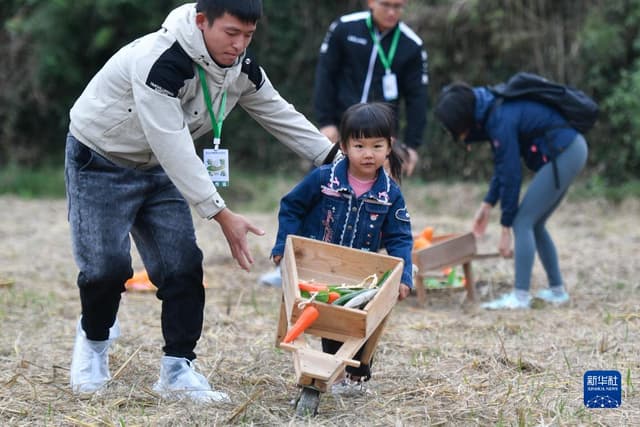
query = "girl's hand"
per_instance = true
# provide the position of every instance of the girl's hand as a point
(481, 219)
(505, 247)
(277, 259)
(403, 292)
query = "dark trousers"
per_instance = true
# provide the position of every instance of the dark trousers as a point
(107, 205)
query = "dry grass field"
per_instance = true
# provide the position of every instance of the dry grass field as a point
(445, 364)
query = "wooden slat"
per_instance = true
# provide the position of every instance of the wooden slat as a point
(319, 365)
(347, 322)
(281, 331)
(385, 299)
(297, 347)
(372, 343)
(445, 251)
(350, 347)
(335, 264)
(289, 274)
(469, 282)
(486, 256)
(421, 292)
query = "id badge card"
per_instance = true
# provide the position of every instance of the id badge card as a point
(389, 87)
(217, 163)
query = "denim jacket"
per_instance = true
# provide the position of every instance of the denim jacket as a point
(323, 206)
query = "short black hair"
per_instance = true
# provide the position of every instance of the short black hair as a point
(248, 11)
(456, 107)
(372, 120)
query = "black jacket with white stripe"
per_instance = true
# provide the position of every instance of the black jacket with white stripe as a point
(346, 60)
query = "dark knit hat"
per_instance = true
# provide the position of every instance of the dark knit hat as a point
(456, 108)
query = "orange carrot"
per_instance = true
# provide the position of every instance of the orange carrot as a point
(306, 319)
(427, 233)
(333, 296)
(312, 287)
(420, 243)
(140, 282)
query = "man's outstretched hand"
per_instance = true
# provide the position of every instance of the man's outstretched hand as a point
(235, 228)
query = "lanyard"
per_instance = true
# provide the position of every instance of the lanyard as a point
(216, 124)
(386, 60)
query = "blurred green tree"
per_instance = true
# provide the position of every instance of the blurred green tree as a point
(51, 49)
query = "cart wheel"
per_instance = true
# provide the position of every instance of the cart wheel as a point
(307, 404)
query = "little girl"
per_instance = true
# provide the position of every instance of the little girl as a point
(354, 202)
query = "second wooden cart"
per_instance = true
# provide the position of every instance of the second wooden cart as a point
(448, 250)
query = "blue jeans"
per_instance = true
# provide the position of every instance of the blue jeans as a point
(108, 203)
(541, 199)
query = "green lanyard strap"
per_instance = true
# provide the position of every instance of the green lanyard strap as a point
(216, 124)
(386, 60)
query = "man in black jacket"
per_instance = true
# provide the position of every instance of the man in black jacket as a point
(373, 56)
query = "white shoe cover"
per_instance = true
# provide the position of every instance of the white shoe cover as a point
(272, 278)
(179, 379)
(349, 387)
(553, 297)
(90, 362)
(508, 301)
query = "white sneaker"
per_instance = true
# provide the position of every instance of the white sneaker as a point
(508, 301)
(349, 387)
(179, 379)
(272, 278)
(90, 361)
(553, 297)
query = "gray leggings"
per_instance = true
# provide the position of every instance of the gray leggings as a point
(537, 205)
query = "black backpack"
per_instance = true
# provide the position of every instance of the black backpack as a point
(580, 111)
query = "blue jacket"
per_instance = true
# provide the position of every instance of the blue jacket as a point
(506, 126)
(323, 206)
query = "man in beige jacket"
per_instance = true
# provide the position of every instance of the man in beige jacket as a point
(132, 169)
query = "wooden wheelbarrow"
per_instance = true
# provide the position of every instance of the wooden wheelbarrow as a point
(448, 250)
(311, 260)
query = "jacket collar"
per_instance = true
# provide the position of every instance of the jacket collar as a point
(181, 23)
(339, 181)
(484, 102)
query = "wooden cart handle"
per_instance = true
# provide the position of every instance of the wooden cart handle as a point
(287, 346)
(351, 362)
(488, 255)
(292, 347)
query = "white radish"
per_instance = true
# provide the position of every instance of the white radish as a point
(362, 298)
